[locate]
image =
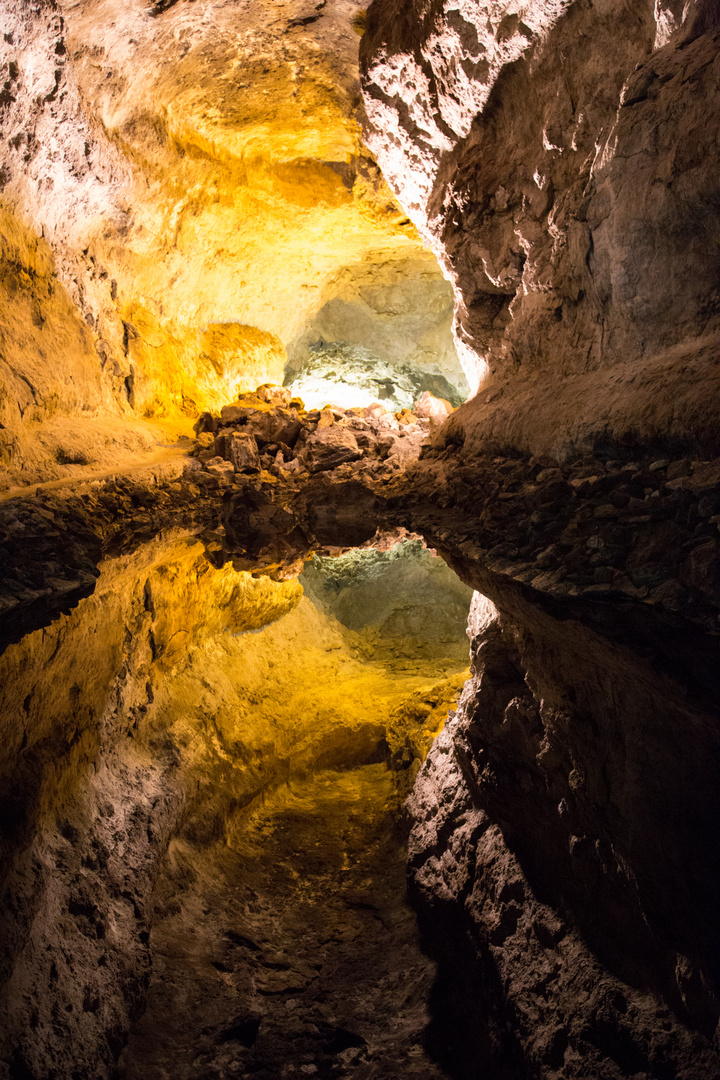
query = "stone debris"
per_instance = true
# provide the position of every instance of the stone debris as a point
(601, 531)
(432, 408)
(316, 440)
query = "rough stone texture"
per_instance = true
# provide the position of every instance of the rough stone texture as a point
(90, 800)
(156, 712)
(564, 863)
(351, 375)
(138, 142)
(562, 160)
(606, 577)
(400, 314)
(318, 974)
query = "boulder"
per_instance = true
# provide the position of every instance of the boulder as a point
(267, 425)
(221, 468)
(329, 447)
(432, 408)
(242, 451)
(274, 395)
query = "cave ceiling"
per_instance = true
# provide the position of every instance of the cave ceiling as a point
(188, 184)
(254, 257)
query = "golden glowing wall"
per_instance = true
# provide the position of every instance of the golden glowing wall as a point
(200, 181)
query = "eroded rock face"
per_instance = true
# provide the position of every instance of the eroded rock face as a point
(181, 197)
(565, 173)
(603, 662)
(385, 331)
(139, 729)
(550, 857)
(543, 153)
(564, 857)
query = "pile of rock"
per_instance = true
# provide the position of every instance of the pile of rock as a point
(271, 431)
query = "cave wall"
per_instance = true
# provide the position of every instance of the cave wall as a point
(563, 854)
(92, 792)
(140, 731)
(561, 161)
(196, 190)
(400, 310)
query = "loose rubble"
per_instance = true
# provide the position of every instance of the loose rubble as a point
(269, 484)
(643, 529)
(271, 430)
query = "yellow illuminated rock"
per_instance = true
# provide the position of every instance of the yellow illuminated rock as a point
(203, 187)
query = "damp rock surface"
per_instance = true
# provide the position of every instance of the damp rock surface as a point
(549, 827)
(543, 155)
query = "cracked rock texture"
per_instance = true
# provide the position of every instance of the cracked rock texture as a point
(562, 160)
(561, 857)
(138, 730)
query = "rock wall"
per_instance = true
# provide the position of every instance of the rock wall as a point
(562, 854)
(195, 190)
(138, 730)
(561, 161)
(91, 794)
(401, 312)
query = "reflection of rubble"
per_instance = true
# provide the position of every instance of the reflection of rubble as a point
(299, 481)
(271, 484)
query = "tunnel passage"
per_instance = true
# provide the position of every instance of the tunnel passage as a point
(190, 212)
(383, 333)
(287, 947)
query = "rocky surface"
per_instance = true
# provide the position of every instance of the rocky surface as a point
(605, 531)
(399, 312)
(270, 484)
(138, 141)
(247, 479)
(154, 712)
(170, 703)
(602, 661)
(559, 159)
(572, 203)
(352, 375)
(562, 867)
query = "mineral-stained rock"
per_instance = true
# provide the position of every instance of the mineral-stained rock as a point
(432, 408)
(274, 395)
(544, 860)
(268, 424)
(529, 150)
(220, 467)
(562, 160)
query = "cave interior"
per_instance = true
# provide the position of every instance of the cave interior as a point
(359, 539)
